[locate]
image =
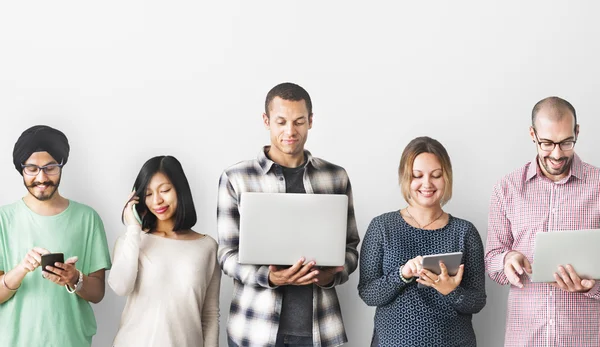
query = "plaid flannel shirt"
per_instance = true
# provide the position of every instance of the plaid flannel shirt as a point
(523, 203)
(256, 305)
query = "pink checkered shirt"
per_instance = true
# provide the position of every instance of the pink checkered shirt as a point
(523, 203)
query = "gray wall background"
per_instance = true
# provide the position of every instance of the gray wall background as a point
(130, 79)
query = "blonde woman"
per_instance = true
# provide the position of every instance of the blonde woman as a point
(438, 314)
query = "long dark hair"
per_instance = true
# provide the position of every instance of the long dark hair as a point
(185, 215)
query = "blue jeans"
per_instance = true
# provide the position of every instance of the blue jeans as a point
(284, 341)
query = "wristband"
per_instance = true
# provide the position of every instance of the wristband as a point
(402, 277)
(78, 285)
(5, 286)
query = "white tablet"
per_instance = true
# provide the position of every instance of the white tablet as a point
(579, 248)
(451, 260)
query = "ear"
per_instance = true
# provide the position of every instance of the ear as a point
(577, 131)
(310, 119)
(532, 133)
(266, 121)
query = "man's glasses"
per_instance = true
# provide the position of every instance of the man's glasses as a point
(34, 170)
(548, 146)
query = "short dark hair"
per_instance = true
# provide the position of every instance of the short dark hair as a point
(553, 102)
(288, 91)
(185, 215)
(418, 146)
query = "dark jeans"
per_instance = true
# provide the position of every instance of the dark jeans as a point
(284, 341)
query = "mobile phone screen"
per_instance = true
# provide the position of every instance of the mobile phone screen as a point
(50, 259)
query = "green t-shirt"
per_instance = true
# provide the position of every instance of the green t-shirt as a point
(42, 313)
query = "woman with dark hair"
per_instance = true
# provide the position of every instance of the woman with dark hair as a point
(439, 312)
(168, 272)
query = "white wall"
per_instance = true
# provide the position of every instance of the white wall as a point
(130, 79)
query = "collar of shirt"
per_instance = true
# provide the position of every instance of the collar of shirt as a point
(576, 169)
(266, 163)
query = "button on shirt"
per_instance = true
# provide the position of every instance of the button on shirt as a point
(525, 202)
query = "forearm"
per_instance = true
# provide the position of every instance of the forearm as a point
(469, 297)
(467, 300)
(253, 275)
(210, 310)
(378, 286)
(210, 322)
(92, 290)
(500, 238)
(494, 265)
(342, 276)
(13, 280)
(210, 332)
(383, 290)
(352, 240)
(123, 273)
(228, 229)
(350, 264)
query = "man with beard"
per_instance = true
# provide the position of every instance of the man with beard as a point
(50, 307)
(555, 191)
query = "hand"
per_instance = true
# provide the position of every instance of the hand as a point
(33, 259)
(443, 283)
(326, 274)
(65, 273)
(515, 265)
(128, 216)
(296, 275)
(569, 281)
(412, 267)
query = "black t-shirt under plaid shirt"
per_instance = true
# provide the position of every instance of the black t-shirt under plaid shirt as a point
(296, 310)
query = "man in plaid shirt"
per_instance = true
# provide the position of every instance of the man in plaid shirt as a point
(297, 305)
(556, 191)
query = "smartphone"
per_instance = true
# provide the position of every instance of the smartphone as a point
(50, 259)
(136, 214)
(451, 260)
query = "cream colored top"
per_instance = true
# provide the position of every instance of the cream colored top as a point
(172, 289)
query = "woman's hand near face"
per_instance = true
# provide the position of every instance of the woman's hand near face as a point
(128, 216)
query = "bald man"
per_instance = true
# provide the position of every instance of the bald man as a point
(50, 306)
(555, 191)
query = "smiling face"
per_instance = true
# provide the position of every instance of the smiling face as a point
(427, 185)
(560, 130)
(288, 123)
(41, 186)
(161, 198)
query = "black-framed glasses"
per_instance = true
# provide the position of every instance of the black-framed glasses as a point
(548, 146)
(34, 170)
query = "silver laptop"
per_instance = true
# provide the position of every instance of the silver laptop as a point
(280, 228)
(580, 248)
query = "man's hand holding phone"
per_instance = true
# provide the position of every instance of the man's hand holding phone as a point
(130, 214)
(62, 273)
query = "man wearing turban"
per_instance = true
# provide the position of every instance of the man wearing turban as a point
(49, 307)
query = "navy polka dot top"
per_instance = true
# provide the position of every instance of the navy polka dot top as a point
(411, 316)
